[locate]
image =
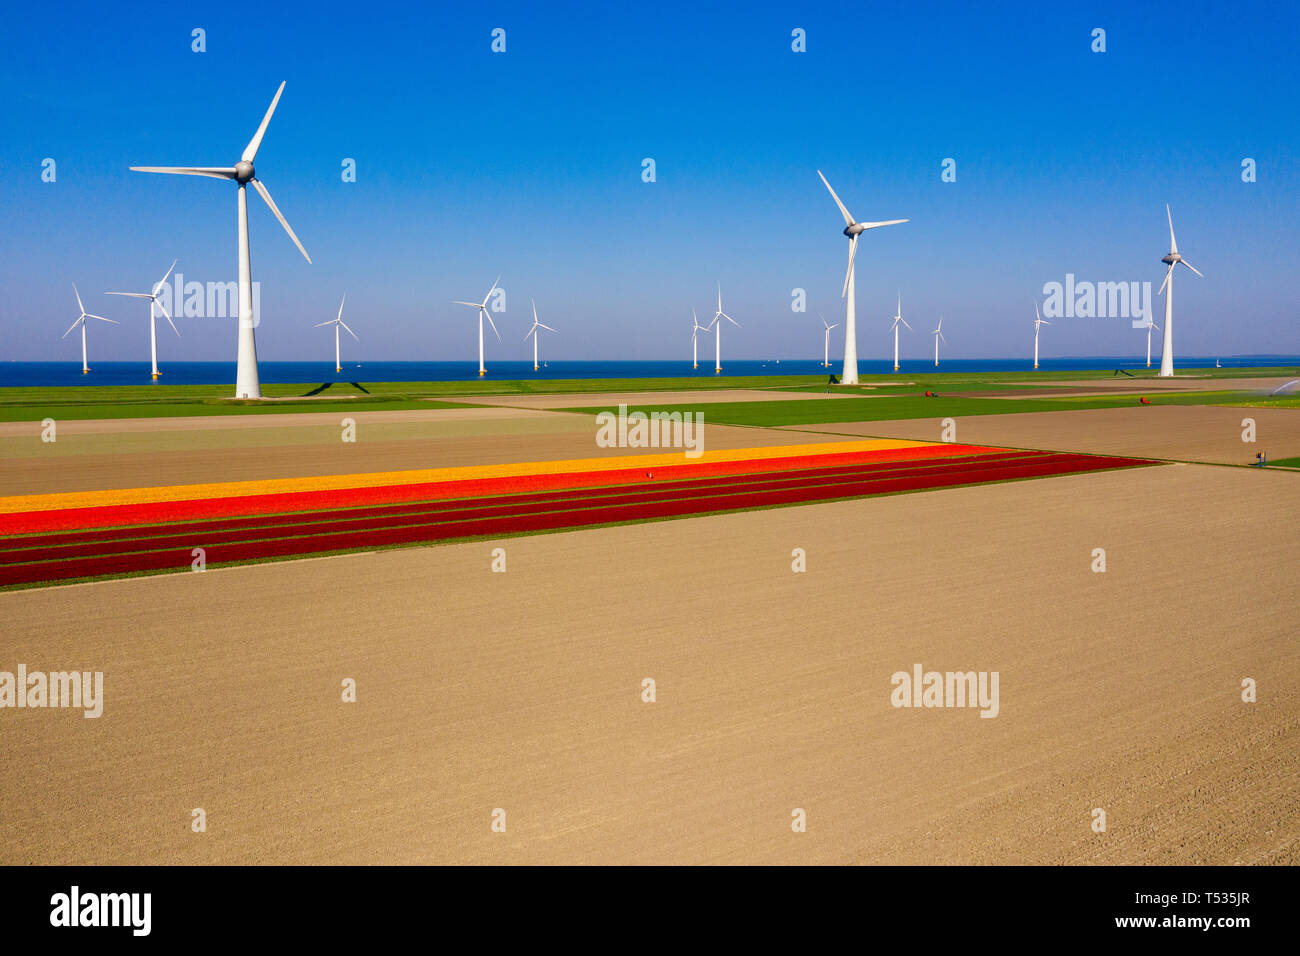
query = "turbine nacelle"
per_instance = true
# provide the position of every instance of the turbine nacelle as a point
(244, 171)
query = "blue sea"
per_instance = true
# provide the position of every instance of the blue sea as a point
(223, 373)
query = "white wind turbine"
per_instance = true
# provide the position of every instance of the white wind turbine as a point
(1151, 325)
(247, 383)
(153, 301)
(337, 322)
(696, 329)
(1167, 349)
(1038, 321)
(535, 334)
(938, 334)
(898, 319)
(853, 230)
(826, 354)
(717, 342)
(483, 311)
(81, 321)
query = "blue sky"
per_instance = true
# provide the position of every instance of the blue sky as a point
(528, 163)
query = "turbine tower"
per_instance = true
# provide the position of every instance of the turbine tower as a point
(247, 383)
(153, 330)
(81, 321)
(938, 334)
(898, 318)
(1150, 326)
(1167, 351)
(826, 354)
(535, 334)
(695, 338)
(853, 230)
(482, 311)
(717, 341)
(337, 322)
(1038, 320)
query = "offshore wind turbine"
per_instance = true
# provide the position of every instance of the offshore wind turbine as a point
(826, 354)
(534, 333)
(81, 321)
(695, 338)
(717, 341)
(247, 383)
(1167, 348)
(1038, 321)
(938, 334)
(337, 322)
(1150, 326)
(853, 230)
(482, 311)
(898, 318)
(153, 301)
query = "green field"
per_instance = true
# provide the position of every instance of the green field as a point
(168, 400)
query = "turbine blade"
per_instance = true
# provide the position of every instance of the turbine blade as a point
(1044, 322)
(134, 295)
(1037, 317)
(250, 151)
(80, 319)
(534, 305)
(1161, 290)
(904, 321)
(164, 279)
(1173, 243)
(546, 327)
(320, 324)
(848, 219)
(350, 332)
(483, 305)
(91, 315)
(341, 301)
(162, 308)
(493, 324)
(275, 209)
(1192, 267)
(877, 225)
(78, 295)
(213, 172)
(472, 305)
(853, 251)
(942, 339)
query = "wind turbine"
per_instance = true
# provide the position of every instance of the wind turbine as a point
(247, 383)
(81, 321)
(717, 341)
(852, 229)
(695, 338)
(1167, 350)
(1038, 320)
(1150, 326)
(482, 311)
(826, 355)
(337, 322)
(153, 331)
(898, 318)
(533, 332)
(938, 334)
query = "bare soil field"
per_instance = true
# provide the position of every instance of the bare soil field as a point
(523, 691)
(104, 454)
(646, 400)
(1177, 432)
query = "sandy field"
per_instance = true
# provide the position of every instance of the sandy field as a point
(144, 453)
(522, 691)
(1174, 432)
